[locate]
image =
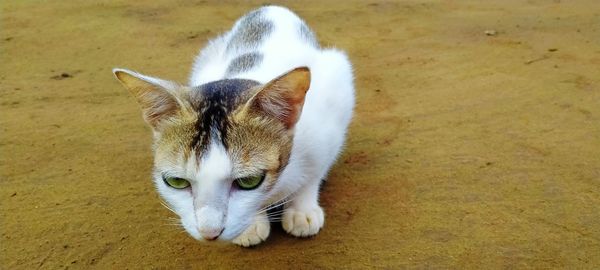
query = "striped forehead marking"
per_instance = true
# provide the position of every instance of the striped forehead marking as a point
(214, 102)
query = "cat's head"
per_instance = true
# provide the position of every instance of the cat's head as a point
(219, 147)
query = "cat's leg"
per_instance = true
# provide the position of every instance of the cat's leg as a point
(255, 233)
(303, 216)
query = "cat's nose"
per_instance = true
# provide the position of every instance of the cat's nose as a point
(211, 234)
(210, 222)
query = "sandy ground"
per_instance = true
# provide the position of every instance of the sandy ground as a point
(467, 150)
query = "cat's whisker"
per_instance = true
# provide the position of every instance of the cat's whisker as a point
(272, 207)
(173, 221)
(277, 202)
(166, 206)
(272, 214)
(276, 213)
(281, 202)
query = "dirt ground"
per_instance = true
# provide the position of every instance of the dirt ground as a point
(467, 151)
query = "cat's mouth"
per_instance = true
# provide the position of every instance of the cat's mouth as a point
(212, 235)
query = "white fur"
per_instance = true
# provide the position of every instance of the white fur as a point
(319, 137)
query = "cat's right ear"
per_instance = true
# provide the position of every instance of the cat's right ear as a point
(155, 96)
(283, 97)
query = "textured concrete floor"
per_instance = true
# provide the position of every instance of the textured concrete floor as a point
(467, 151)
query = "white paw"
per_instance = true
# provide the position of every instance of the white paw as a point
(255, 233)
(303, 223)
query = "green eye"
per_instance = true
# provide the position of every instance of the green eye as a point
(176, 182)
(251, 182)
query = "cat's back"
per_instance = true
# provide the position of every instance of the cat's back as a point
(267, 24)
(261, 45)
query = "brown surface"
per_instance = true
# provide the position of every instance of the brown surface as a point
(467, 150)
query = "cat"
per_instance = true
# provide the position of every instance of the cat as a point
(263, 119)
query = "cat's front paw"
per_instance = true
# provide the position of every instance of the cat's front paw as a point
(303, 222)
(256, 233)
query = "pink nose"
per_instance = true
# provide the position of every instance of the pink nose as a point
(211, 234)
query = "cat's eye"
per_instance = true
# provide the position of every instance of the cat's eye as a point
(251, 182)
(176, 182)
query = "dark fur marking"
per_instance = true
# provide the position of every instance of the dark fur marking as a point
(243, 63)
(308, 35)
(252, 30)
(213, 102)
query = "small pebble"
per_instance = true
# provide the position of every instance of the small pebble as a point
(490, 32)
(63, 75)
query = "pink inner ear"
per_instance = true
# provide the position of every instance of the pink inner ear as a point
(285, 109)
(283, 97)
(158, 106)
(291, 116)
(152, 95)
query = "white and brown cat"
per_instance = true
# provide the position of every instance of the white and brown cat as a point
(263, 119)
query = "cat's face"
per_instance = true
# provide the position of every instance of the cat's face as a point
(219, 147)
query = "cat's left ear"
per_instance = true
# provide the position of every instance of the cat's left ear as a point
(156, 96)
(283, 97)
